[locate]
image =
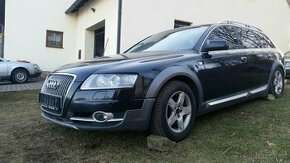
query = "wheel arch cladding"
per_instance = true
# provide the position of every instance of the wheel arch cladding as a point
(176, 73)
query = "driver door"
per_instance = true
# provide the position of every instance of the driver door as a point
(224, 69)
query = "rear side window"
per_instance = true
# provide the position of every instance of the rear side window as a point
(226, 33)
(249, 38)
(265, 41)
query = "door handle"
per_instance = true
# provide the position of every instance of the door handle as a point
(244, 59)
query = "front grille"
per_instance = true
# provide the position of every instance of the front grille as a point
(64, 83)
(60, 88)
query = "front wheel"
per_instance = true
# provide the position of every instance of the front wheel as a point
(277, 83)
(19, 76)
(174, 111)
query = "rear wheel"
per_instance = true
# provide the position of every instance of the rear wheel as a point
(277, 83)
(174, 112)
(19, 76)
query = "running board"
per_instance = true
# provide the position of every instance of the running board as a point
(235, 97)
(260, 89)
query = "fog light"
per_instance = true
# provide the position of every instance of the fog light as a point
(102, 117)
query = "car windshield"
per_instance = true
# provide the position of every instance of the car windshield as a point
(170, 41)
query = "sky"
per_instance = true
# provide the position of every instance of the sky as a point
(2, 11)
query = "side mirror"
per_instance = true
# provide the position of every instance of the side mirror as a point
(213, 45)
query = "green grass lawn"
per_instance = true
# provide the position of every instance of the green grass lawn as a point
(255, 131)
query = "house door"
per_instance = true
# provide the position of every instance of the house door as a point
(99, 42)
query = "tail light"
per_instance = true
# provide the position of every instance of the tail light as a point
(23, 61)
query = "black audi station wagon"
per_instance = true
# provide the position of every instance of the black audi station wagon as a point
(165, 81)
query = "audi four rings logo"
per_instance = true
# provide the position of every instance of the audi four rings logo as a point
(52, 84)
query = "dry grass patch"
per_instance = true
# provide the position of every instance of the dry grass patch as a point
(253, 131)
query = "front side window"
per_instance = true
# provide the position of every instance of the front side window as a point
(170, 41)
(54, 39)
(226, 33)
(249, 38)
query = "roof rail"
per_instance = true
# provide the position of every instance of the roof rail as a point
(240, 24)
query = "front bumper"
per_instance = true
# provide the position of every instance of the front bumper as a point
(135, 119)
(36, 74)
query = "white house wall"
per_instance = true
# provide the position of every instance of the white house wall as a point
(142, 18)
(25, 32)
(27, 21)
(104, 10)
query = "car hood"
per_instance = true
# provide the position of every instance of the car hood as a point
(129, 63)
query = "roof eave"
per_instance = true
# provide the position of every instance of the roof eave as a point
(76, 6)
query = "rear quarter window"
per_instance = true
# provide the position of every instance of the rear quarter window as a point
(265, 41)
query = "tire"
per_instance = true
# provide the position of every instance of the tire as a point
(277, 83)
(173, 119)
(19, 76)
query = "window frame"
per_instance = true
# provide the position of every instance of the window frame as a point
(54, 46)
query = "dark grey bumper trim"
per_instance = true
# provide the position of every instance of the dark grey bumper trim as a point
(137, 120)
(59, 122)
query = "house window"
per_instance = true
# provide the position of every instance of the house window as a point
(179, 23)
(54, 39)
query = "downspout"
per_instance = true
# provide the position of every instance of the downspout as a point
(119, 26)
(2, 42)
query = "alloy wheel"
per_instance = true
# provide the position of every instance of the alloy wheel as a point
(278, 82)
(178, 111)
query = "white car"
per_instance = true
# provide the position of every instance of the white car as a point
(18, 72)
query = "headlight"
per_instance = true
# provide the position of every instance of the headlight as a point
(109, 81)
(35, 66)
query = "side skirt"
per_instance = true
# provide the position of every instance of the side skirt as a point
(223, 102)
